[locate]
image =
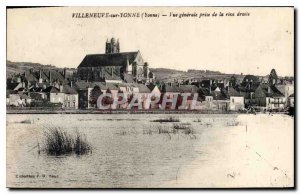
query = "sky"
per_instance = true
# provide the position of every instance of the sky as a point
(252, 44)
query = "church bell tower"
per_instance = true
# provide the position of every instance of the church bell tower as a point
(112, 46)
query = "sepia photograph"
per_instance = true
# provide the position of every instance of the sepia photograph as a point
(150, 97)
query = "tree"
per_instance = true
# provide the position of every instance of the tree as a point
(273, 77)
(108, 100)
(232, 81)
(94, 95)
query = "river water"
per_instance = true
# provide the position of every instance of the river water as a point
(128, 152)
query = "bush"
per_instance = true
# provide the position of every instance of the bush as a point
(59, 142)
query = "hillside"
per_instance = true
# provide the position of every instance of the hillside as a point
(20, 67)
(168, 75)
(161, 74)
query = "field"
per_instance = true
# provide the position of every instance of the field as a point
(141, 150)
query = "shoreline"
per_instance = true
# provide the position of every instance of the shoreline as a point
(93, 111)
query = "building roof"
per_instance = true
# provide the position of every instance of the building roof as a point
(250, 80)
(11, 86)
(292, 95)
(82, 85)
(152, 86)
(51, 89)
(24, 96)
(220, 95)
(168, 88)
(232, 92)
(143, 89)
(103, 85)
(188, 88)
(111, 59)
(272, 92)
(204, 91)
(36, 96)
(128, 78)
(69, 90)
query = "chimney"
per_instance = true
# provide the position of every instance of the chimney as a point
(209, 89)
(65, 72)
(50, 79)
(251, 83)
(61, 88)
(269, 89)
(71, 84)
(18, 79)
(127, 63)
(40, 77)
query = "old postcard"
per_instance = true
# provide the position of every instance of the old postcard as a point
(150, 97)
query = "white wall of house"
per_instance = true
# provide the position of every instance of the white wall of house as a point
(209, 98)
(275, 103)
(15, 100)
(156, 91)
(286, 90)
(221, 104)
(236, 103)
(113, 81)
(291, 102)
(71, 101)
(57, 97)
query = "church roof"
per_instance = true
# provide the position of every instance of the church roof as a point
(111, 59)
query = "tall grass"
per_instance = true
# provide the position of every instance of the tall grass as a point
(180, 126)
(58, 142)
(169, 119)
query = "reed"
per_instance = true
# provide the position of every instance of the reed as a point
(58, 142)
(169, 119)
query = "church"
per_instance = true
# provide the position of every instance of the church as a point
(115, 66)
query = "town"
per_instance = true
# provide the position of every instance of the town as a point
(127, 73)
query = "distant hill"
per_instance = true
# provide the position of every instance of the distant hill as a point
(161, 74)
(20, 67)
(168, 75)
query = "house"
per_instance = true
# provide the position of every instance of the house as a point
(55, 95)
(169, 90)
(70, 97)
(291, 101)
(14, 98)
(247, 88)
(103, 89)
(83, 94)
(155, 93)
(187, 94)
(236, 99)
(144, 93)
(65, 95)
(205, 94)
(269, 97)
(220, 99)
(286, 89)
(168, 93)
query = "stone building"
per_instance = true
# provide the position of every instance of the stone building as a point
(115, 66)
